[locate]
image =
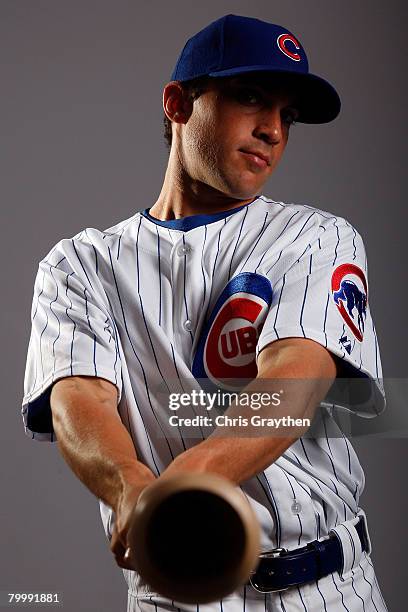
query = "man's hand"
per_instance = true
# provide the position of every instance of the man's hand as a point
(123, 519)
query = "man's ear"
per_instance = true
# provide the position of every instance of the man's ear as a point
(176, 103)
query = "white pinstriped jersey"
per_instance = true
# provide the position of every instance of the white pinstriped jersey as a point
(139, 305)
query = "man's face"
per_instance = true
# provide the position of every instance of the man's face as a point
(237, 133)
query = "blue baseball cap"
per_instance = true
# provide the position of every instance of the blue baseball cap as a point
(235, 45)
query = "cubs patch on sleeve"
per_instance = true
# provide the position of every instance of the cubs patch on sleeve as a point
(350, 294)
(227, 345)
(323, 296)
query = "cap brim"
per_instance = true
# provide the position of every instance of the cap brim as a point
(316, 100)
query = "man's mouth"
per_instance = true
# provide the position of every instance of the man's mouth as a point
(257, 157)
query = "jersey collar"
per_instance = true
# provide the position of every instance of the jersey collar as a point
(188, 223)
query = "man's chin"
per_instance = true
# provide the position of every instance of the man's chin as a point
(240, 188)
(246, 192)
(248, 186)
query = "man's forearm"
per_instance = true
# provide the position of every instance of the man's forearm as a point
(304, 371)
(238, 452)
(93, 440)
(236, 459)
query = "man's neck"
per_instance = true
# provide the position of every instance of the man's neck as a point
(181, 196)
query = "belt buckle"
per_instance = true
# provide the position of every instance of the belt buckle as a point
(274, 553)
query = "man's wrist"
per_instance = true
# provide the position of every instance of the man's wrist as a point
(132, 477)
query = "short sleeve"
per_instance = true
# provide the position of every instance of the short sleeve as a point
(72, 333)
(324, 296)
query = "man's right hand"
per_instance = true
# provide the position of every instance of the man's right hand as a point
(123, 518)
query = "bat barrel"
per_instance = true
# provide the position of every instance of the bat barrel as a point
(194, 538)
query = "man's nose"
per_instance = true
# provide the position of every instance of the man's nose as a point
(269, 126)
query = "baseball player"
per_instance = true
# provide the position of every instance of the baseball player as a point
(216, 281)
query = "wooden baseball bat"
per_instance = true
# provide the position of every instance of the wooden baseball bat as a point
(194, 537)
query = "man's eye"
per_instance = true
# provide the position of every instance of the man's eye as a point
(249, 97)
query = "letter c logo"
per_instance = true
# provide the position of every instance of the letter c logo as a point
(282, 40)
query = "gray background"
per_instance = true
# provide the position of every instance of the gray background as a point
(81, 145)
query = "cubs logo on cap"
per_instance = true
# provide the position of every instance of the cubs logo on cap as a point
(350, 294)
(227, 346)
(282, 41)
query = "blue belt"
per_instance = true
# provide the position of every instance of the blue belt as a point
(280, 569)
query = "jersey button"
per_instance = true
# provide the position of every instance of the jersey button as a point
(183, 249)
(296, 507)
(188, 325)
